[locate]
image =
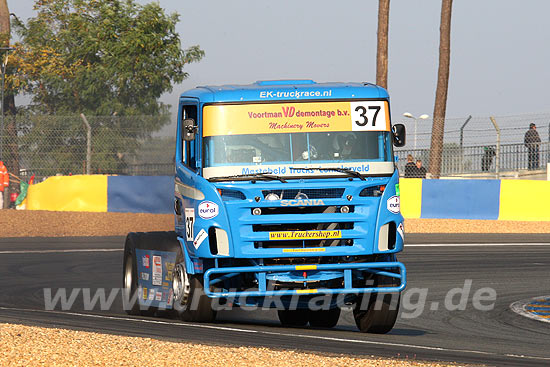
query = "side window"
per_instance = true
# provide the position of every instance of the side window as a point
(189, 147)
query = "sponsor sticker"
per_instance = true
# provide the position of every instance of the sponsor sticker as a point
(189, 223)
(315, 249)
(144, 293)
(200, 238)
(170, 298)
(208, 210)
(304, 235)
(169, 269)
(157, 270)
(401, 231)
(145, 276)
(393, 204)
(151, 294)
(158, 296)
(145, 261)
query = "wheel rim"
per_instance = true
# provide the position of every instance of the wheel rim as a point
(180, 285)
(128, 273)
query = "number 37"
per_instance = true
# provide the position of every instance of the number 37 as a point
(368, 116)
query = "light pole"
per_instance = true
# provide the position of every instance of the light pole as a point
(5, 51)
(422, 117)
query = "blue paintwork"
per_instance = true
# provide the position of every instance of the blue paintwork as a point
(267, 91)
(235, 216)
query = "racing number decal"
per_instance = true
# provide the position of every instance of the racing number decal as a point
(189, 223)
(368, 115)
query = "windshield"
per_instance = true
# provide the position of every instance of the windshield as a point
(341, 146)
(274, 138)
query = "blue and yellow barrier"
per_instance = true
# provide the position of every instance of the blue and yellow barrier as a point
(99, 193)
(522, 200)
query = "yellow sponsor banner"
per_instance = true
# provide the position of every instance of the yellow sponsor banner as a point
(316, 249)
(304, 235)
(306, 291)
(306, 267)
(274, 118)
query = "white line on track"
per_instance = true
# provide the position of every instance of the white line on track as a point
(60, 251)
(317, 337)
(474, 244)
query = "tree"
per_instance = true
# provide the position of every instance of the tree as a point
(102, 58)
(382, 49)
(8, 132)
(440, 107)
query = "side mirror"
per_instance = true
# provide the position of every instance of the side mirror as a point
(189, 129)
(398, 131)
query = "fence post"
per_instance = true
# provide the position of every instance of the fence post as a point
(462, 142)
(88, 144)
(497, 163)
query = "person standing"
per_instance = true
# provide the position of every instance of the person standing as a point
(4, 183)
(420, 171)
(410, 167)
(532, 143)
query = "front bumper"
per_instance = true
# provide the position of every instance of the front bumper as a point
(346, 270)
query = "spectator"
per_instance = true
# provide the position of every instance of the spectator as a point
(420, 171)
(410, 167)
(487, 159)
(4, 183)
(532, 143)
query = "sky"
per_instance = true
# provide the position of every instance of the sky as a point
(500, 55)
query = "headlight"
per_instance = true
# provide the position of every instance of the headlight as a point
(271, 197)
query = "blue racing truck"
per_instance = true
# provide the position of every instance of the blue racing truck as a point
(287, 197)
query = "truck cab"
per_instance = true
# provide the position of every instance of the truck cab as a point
(286, 196)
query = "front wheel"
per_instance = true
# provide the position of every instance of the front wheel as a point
(190, 301)
(379, 311)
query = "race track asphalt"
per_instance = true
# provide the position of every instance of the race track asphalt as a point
(485, 330)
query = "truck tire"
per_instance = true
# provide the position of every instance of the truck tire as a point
(130, 278)
(380, 314)
(299, 317)
(190, 302)
(324, 318)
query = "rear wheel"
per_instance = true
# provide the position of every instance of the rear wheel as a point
(379, 313)
(299, 317)
(324, 318)
(129, 283)
(190, 301)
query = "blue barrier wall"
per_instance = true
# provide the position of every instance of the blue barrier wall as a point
(140, 194)
(460, 199)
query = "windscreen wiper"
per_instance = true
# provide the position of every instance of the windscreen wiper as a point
(253, 176)
(347, 171)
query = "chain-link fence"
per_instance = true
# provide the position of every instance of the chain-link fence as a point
(482, 146)
(52, 145)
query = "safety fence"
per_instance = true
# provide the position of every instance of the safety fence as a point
(45, 145)
(68, 145)
(480, 145)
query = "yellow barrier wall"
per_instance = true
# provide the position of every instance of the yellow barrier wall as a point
(69, 193)
(526, 200)
(411, 197)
